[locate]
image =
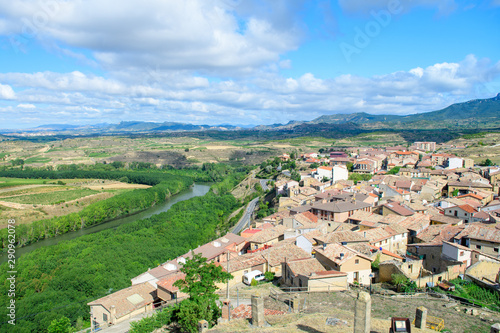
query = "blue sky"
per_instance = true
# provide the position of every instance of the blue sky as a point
(239, 61)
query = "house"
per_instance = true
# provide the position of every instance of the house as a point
(457, 252)
(454, 163)
(343, 259)
(309, 275)
(394, 207)
(332, 173)
(167, 291)
(243, 264)
(391, 237)
(437, 233)
(464, 187)
(429, 253)
(338, 211)
(365, 166)
(425, 146)
(266, 237)
(480, 237)
(346, 237)
(464, 212)
(121, 305)
(279, 253)
(443, 219)
(415, 173)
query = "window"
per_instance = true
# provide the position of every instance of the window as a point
(478, 247)
(356, 261)
(456, 213)
(461, 253)
(495, 249)
(105, 317)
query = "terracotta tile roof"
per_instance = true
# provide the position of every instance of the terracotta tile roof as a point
(268, 234)
(128, 300)
(333, 251)
(341, 206)
(468, 184)
(277, 216)
(278, 253)
(482, 215)
(445, 219)
(244, 311)
(468, 208)
(436, 234)
(167, 282)
(481, 232)
(323, 274)
(342, 236)
(305, 266)
(245, 261)
(398, 209)
(251, 231)
(310, 216)
(472, 195)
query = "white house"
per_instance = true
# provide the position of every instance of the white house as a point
(464, 212)
(455, 163)
(457, 252)
(335, 173)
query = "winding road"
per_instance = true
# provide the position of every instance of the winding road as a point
(245, 219)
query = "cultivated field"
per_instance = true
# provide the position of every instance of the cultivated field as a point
(176, 151)
(27, 200)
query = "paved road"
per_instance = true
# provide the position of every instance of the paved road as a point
(245, 219)
(263, 184)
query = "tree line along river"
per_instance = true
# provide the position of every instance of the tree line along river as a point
(194, 191)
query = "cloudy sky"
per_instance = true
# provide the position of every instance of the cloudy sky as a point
(240, 61)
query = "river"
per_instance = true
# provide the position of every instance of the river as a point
(194, 191)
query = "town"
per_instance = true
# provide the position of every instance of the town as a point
(352, 218)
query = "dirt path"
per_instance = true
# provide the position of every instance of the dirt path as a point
(24, 187)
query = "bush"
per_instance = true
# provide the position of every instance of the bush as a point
(269, 276)
(254, 283)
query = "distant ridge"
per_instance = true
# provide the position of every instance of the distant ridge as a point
(473, 114)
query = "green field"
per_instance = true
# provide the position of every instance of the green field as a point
(9, 182)
(51, 198)
(38, 159)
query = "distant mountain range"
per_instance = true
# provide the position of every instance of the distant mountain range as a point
(474, 114)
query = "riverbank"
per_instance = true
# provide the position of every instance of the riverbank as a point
(194, 191)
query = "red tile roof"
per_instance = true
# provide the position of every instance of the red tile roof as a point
(468, 208)
(167, 283)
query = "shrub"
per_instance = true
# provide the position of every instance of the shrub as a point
(254, 283)
(269, 276)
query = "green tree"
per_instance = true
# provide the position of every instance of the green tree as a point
(486, 162)
(200, 284)
(393, 171)
(17, 161)
(454, 193)
(61, 325)
(349, 166)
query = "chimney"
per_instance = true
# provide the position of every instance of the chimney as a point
(341, 256)
(324, 246)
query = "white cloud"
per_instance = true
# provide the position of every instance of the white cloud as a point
(6, 92)
(199, 35)
(26, 106)
(266, 97)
